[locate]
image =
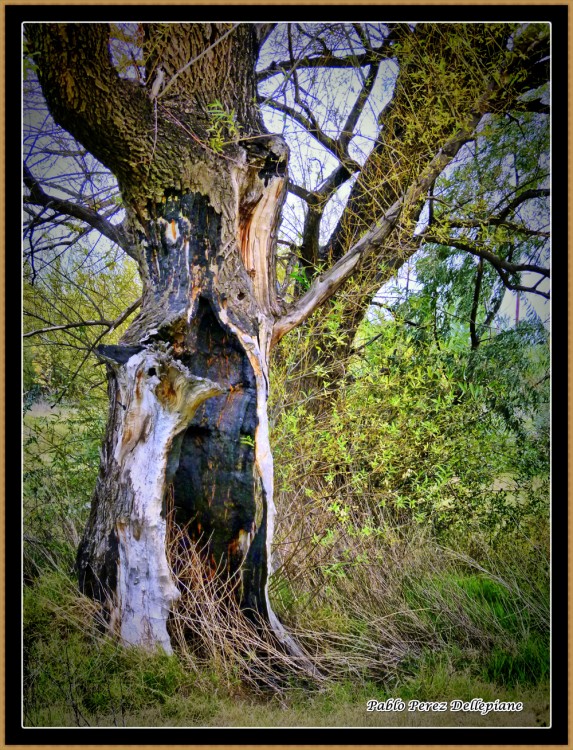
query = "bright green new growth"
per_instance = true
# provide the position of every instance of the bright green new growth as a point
(222, 126)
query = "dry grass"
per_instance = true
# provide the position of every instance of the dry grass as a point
(208, 626)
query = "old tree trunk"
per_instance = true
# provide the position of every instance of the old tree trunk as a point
(203, 183)
(188, 384)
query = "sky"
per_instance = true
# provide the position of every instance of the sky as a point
(311, 163)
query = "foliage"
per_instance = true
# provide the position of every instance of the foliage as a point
(61, 461)
(222, 126)
(73, 295)
(413, 502)
(435, 434)
(65, 401)
(412, 474)
(494, 199)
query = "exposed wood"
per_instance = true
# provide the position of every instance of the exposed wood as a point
(122, 559)
(256, 241)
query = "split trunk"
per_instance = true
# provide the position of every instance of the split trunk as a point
(188, 383)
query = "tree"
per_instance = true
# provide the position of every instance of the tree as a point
(433, 87)
(202, 184)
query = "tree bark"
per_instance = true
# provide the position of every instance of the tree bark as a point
(188, 384)
(189, 381)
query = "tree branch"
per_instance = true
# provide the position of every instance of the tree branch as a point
(326, 284)
(520, 287)
(495, 221)
(317, 201)
(481, 252)
(109, 324)
(38, 197)
(86, 96)
(521, 198)
(331, 144)
(320, 197)
(373, 240)
(358, 108)
(176, 75)
(301, 192)
(328, 60)
(475, 341)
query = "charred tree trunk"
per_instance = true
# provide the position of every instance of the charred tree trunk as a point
(188, 384)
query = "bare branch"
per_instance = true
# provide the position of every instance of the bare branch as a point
(358, 108)
(39, 198)
(363, 34)
(301, 192)
(109, 324)
(331, 144)
(328, 60)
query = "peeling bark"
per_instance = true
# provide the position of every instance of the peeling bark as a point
(188, 383)
(123, 555)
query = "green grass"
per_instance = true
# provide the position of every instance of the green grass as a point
(526, 665)
(75, 676)
(464, 633)
(61, 460)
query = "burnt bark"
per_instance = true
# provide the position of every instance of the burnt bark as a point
(188, 384)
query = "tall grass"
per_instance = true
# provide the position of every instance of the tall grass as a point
(381, 604)
(76, 675)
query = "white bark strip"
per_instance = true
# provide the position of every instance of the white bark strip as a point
(158, 397)
(258, 352)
